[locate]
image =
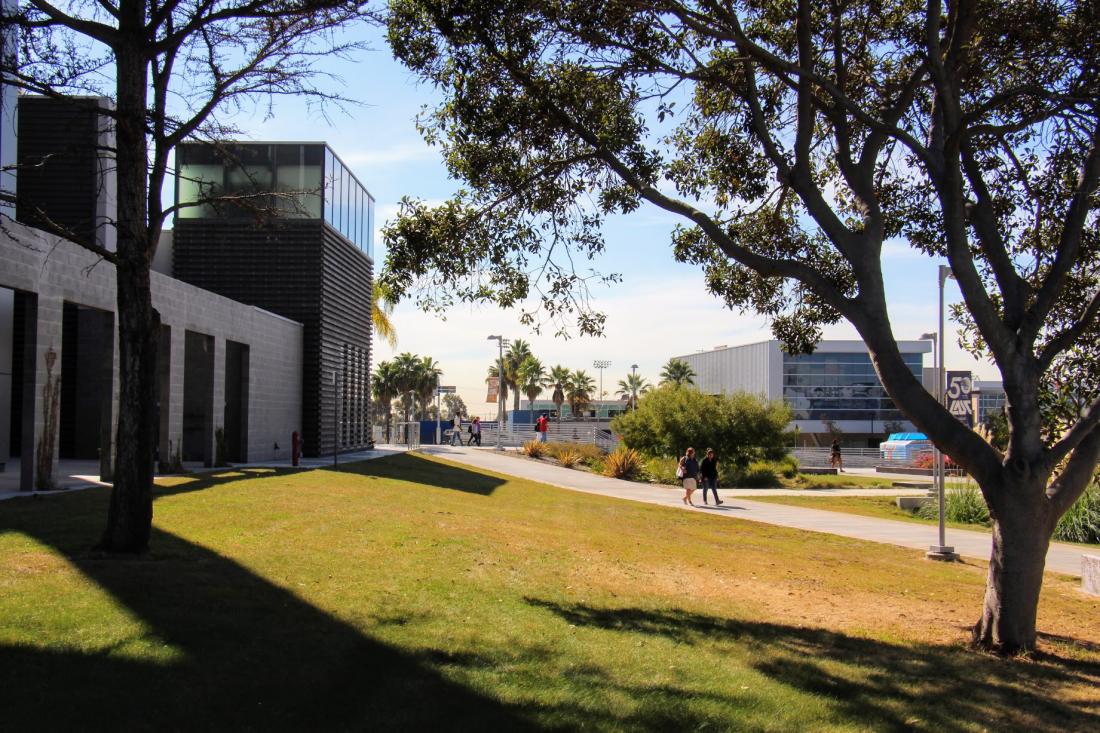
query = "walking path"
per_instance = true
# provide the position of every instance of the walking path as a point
(1061, 558)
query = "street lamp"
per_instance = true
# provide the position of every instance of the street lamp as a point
(633, 387)
(500, 391)
(940, 551)
(600, 364)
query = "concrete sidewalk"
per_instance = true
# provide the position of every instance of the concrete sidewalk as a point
(1061, 558)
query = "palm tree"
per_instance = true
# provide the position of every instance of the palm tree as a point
(560, 377)
(532, 380)
(677, 371)
(580, 391)
(427, 379)
(514, 357)
(407, 367)
(384, 389)
(380, 312)
(631, 387)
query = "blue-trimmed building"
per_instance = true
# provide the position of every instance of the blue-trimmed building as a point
(835, 386)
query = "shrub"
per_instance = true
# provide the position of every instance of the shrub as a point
(1081, 522)
(586, 451)
(741, 427)
(787, 466)
(965, 505)
(659, 470)
(534, 449)
(569, 457)
(758, 475)
(624, 463)
(924, 460)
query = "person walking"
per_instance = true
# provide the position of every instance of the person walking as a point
(835, 459)
(456, 431)
(708, 474)
(688, 472)
(475, 432)
(541, 426)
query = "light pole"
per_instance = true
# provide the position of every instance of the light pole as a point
(633, 387)
(600, 364)
(940, 551)
(500, 392)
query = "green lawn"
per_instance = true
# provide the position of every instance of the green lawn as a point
(837, 481)
(880, 507)
(413, 594)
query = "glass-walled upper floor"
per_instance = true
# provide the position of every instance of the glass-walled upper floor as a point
(291, 180)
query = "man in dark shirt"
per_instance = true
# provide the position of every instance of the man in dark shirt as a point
(708, 473)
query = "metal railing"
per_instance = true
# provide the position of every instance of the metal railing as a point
(401, 433)
(577, 433)
(814, 457)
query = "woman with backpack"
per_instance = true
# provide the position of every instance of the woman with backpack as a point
(688, 471)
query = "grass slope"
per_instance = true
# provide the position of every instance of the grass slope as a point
(409, 593)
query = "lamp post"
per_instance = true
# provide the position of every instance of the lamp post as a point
(633, 387)
(500, 392)
(940, 551)
(600, 364)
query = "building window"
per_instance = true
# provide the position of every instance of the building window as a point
(839, 386)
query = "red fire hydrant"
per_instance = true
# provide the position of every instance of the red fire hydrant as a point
(295, 448)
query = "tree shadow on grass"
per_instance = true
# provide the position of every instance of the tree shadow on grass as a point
(418, 469)
(244, 653)
(885, 686)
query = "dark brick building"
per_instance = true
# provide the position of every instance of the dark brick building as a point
(297, 242)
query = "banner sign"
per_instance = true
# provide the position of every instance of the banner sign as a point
(959, 387)
(494, 389)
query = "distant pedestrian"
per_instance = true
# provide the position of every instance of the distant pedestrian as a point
(688, 471)
(541, 426)
(835, 459)
(475, 432)
(456, 431)
(708, 474)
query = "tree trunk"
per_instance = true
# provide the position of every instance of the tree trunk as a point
(1022, 528)
(130, 515)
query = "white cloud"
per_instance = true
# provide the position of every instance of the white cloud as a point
(391, 155)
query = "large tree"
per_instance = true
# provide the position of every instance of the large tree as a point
(796, 138)
(171, 66)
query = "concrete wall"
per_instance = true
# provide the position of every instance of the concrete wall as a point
(756, 368)
(59, 271)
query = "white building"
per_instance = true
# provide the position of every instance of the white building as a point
(836, 386)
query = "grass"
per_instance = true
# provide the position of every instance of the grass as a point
(409, 593)
(879, 507)
(837, 481)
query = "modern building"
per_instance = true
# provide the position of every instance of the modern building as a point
(300, 244)
(989, 399)
(226, 369)
(833, 390)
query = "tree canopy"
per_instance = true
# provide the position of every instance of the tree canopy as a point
(795, 138)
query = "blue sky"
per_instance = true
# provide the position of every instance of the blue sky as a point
(659, 310)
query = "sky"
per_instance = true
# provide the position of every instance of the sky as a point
(659, 310)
